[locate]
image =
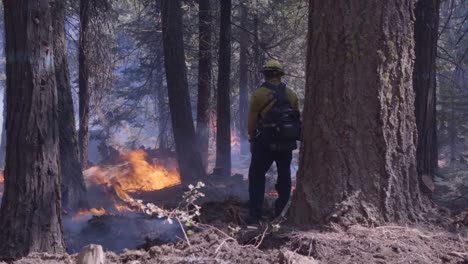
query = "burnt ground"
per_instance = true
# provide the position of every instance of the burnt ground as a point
(443, 239)
(222, 236)
(353, 244)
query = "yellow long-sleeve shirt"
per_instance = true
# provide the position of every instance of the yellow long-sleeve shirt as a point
(259, 100)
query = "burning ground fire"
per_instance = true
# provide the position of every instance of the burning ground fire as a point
(117, 183)
(1, 183)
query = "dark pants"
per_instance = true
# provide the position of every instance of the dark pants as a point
(262, 159)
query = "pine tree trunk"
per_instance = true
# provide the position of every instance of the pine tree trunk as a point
(223, 105)
(204, 79)
(73, 185)
(358, 155)
(190, 163)
(243, 81)
(3, 136)
(426, 30)
(30, 215)
(84, 84)
(258, 54)
(163, 112)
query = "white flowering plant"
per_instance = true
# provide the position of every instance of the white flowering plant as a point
(185, 212)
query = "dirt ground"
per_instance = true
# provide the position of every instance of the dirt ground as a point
(221, 237)
(356, 244)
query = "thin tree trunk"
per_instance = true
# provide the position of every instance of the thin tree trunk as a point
(204, 79)
(358, 154)
(223, 105)
(258, 54)
(190, 163)
(243, 81)
(30, 215)
(73, 185)
(426, 30)
(3, 136)
(163, 112)
(84, 84)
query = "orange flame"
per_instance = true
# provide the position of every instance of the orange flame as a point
(235, 140)
(144, 176)
(137, 175)
(2, 181)
(82, 214)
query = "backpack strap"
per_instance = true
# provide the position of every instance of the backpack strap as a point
(280, 94)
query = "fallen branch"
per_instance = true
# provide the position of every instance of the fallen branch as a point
(261, 238)
(461, 255)
(183, 231)
(222, 243)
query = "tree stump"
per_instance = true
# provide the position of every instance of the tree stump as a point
(91, 254)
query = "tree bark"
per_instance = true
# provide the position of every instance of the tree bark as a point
(258, 53)
(190, 163)
(204, 79)
(426, 30)
(83, 82)
(73, 184)
(358, 154)
(223, 105)
(30, 219)
(243, 81)
(160, 96)
(3, 136)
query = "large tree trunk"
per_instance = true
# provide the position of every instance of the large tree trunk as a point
(223, 105)
(243, 80)
(83, 82)
(204, 79)
(426, 29)
(73, 185)
(358, 154)
(190, 163)
(30, 219)
(3, 134)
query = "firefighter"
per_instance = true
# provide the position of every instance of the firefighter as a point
(274, 127)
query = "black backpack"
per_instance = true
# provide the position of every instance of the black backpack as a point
(282, 123)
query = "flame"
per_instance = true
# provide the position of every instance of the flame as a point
(144, 176)
(235, 140)
(274, 193)
(2, 180)
(83, 214)
(135, 175)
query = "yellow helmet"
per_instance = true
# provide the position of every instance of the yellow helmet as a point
(273, 65)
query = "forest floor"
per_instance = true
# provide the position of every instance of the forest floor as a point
(217, 243)
(223, 237)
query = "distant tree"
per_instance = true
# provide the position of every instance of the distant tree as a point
(95, 63)
(73, 185)
(452, 91)
(358, 154)
(30, 214)
(84, 61)
(243, 78)
(190, 163)
(426, 30)
(204, 79)
(223, 102)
